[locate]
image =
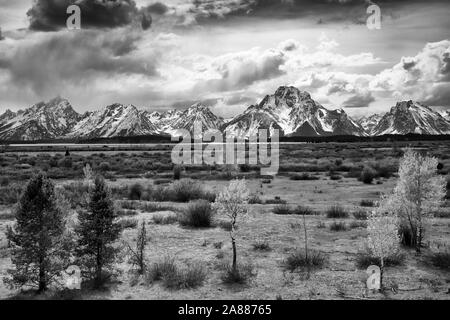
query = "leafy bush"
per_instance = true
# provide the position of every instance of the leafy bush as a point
(130, 205)
(303, 210)
(192, 276)
(261, 246)
(184, 190)
(164, 219)
(77, 194)
(154, 207)
(299, 260)
(275, 200)
(338, 226)
(364, 259)
(367, 175)
(335, 177)
(303, 176)
(125, 212)
(358, 224)
(440, 260)
(367, 203)
(282, 209)
(244, 167)
(128, 223)
(160, 269)
(240, 275)
(255, 199)
(135, 191)
(175, 278)
(4, 181)
(104, 166)
(336, 212)
(10, 194)
(360, 215)
(199, 214)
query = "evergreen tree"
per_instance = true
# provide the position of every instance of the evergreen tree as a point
(40, 248)
(97, 232)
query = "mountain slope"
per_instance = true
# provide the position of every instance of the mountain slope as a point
(368, 123)
(295, 114)
(412, 117)
(172, 121)
(42, 121)
(114, 120)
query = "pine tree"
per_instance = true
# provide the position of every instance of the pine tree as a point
(40, 247)
(97, 232)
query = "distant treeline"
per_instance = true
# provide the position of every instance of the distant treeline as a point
(383, 138)
(310, 139)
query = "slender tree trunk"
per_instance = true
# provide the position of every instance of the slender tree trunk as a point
(98, 268)
(42, 281)
(381, 273)
(233, 243)
(306, 245)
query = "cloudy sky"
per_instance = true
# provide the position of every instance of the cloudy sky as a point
(225, 53)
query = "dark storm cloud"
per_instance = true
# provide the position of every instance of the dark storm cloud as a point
(325, 11)
(440, 97)
(361, 100)
(1, 35)
(51, 15)
(157, 8)
(75, 58)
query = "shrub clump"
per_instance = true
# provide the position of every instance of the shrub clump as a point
(199, 214)
(240, 275)
(172, 277)
(336, 212)
(440, 260)
(135, 192)
(367, 203)
(282, 209)
(261, 246)
(364, 259)
(338, 226)
(367, 175)
(360, 215)
(305, 262)
(303, 176)
(164, 219)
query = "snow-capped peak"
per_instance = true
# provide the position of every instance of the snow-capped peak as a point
(412, 117)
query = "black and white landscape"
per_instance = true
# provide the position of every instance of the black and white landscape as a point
(94, 206)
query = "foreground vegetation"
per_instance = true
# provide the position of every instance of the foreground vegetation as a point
(174, 243)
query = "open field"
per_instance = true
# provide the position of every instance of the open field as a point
(315, 176)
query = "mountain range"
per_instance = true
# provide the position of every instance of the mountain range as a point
(289, 109)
